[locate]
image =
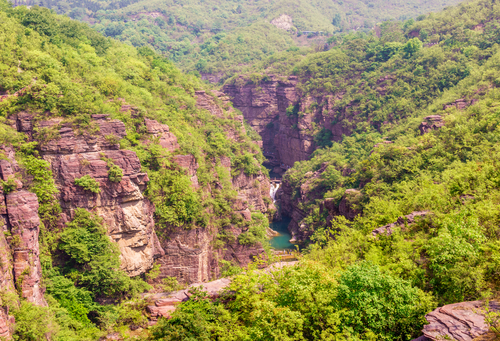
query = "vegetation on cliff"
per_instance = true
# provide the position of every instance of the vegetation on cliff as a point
(53, 67)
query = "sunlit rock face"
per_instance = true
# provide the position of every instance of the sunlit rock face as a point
(127, 214)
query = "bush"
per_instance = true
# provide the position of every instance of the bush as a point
(88, 183)
(175, 200)
(9, 185)
(385, 305)
(93, 259)
(115, 173)
(246, 162)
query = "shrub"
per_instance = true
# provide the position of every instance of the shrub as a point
(93, 259)
(88, 183)
(9, 185)
(387, 306)
(173, 195)
(115, 173)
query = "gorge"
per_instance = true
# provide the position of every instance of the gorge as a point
(139, 202)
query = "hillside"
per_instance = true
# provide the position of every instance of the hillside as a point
(124, 180)
(390, 146)
(217, 38)
(119, 175)
(389, 149)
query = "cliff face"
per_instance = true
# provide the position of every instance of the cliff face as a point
(127, 214)
(191, 255)
(20, 268)
(287, 121)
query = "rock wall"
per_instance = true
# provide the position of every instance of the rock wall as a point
(20, 268)
(190, 255)
(126, 212)
(288, 135)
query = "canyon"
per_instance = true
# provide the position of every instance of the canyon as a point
(186, 254)
(288, 122)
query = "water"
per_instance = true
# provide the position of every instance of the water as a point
(273, 190)
(281, 242)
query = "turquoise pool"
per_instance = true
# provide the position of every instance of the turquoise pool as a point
(282, 241)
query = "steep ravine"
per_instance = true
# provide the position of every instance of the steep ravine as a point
(187, 254)
(288, 123)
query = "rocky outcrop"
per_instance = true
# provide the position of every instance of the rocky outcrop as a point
(283, 22)
(463, 321)
(432, 122)
(311, 190)
(166, 139)
(401, 222)
(190, 254)
(285, 120)
(22, 210)
(19, 248)
(126, 212)
(6, 324)
(74, 152)
(460, 104)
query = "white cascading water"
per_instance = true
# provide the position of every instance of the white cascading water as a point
(273, 190)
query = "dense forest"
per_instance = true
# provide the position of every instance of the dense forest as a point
(219, 37)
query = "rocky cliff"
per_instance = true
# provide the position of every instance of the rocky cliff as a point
(288, 122)
(190, 255)
(73, 154)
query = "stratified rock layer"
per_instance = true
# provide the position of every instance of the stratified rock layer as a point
(190, 255)
(126, 212)
(286, 120)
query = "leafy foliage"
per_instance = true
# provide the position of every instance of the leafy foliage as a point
(218, 37)
(303, 303)
(88, 183)
(93, 260)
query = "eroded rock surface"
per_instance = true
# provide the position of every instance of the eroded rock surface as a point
(19, 248)
(287, 121)
(126, 212)
(190, 255)
(460, 321)
(6, 324)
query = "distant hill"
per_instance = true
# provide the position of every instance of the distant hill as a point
(217, 37)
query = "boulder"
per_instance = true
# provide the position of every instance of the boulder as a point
(460, 321)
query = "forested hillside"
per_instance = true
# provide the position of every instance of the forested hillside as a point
(123, 180)
(401, 195)
(218, 37)
(119, 175)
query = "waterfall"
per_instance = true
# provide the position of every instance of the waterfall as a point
(273, 190)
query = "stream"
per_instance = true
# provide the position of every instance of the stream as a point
(280, 242)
